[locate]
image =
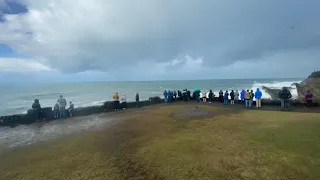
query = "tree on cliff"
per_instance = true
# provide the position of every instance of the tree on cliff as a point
(315, 74)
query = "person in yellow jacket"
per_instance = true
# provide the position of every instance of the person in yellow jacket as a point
(116, 101)
(247, 97)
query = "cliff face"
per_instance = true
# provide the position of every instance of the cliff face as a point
(312, 84)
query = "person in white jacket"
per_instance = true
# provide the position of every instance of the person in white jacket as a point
(124, 101)
(204, 96)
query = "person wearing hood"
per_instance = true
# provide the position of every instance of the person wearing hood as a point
(226, 97)
(232, 97)
(165, 95)
(37, 110)
(221, 96)
(116, 101)
(236, 97)
(71, 108)
(284, 96)
(137, 99)
(258, 96)
(308, 98)
(124, 101)
(242, 96)
(204, 96)
(211, 96)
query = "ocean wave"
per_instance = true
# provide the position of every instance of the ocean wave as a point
(276, 85)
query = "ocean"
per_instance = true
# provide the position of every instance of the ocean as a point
(17, 99)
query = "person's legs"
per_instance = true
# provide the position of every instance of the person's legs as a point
(259, 103)
(282, 103)
(246, 102)
(60, 112)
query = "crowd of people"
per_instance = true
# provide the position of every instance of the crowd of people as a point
(234, 97)
(245, 97)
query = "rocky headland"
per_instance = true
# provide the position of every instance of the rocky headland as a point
(312, 83)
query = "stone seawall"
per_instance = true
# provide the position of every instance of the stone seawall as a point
(48, 113)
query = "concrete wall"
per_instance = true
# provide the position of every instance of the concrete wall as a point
(48, 114)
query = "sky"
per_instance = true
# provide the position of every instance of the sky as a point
(116, 40)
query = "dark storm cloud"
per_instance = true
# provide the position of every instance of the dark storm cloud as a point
(222, 32)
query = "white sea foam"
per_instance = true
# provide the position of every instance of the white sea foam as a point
(276, 85)
(273, 85)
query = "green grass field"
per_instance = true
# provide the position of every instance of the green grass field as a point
(180, 142)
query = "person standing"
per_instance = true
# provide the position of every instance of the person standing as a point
(188, 95)
(232, 95)
(308, 98)
(124, 101)
(210, 96)
(197, 96)
(37, 110)
(165, 95)
(137, 99)
(284, 96)
(62, 107)
(242, 94)
(204, 96)
(221, 99)
(247, 97)
(236, 97)
(226, 97)
(251, 97)
(56, 110)
(116, 101)
(71, 108)
(258, 96)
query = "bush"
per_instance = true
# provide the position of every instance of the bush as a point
(315, 74)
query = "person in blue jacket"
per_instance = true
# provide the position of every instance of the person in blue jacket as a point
(258, 96)
(226, 97)
(165, 94)
(243, 92)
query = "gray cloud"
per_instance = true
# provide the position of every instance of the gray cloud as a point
(103, 36)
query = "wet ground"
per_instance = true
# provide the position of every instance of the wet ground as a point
(39, 132)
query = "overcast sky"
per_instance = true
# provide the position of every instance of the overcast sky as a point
(54, 40)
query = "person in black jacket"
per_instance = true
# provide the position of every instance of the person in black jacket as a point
(188, 95)
(232, 97)
(179, 95)
(285, 96)
(221, 96)
(37, 109)
(137, 99)
(211, 95)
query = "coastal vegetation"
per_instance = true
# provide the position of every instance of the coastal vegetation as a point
(179, 141)
(315, 74)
